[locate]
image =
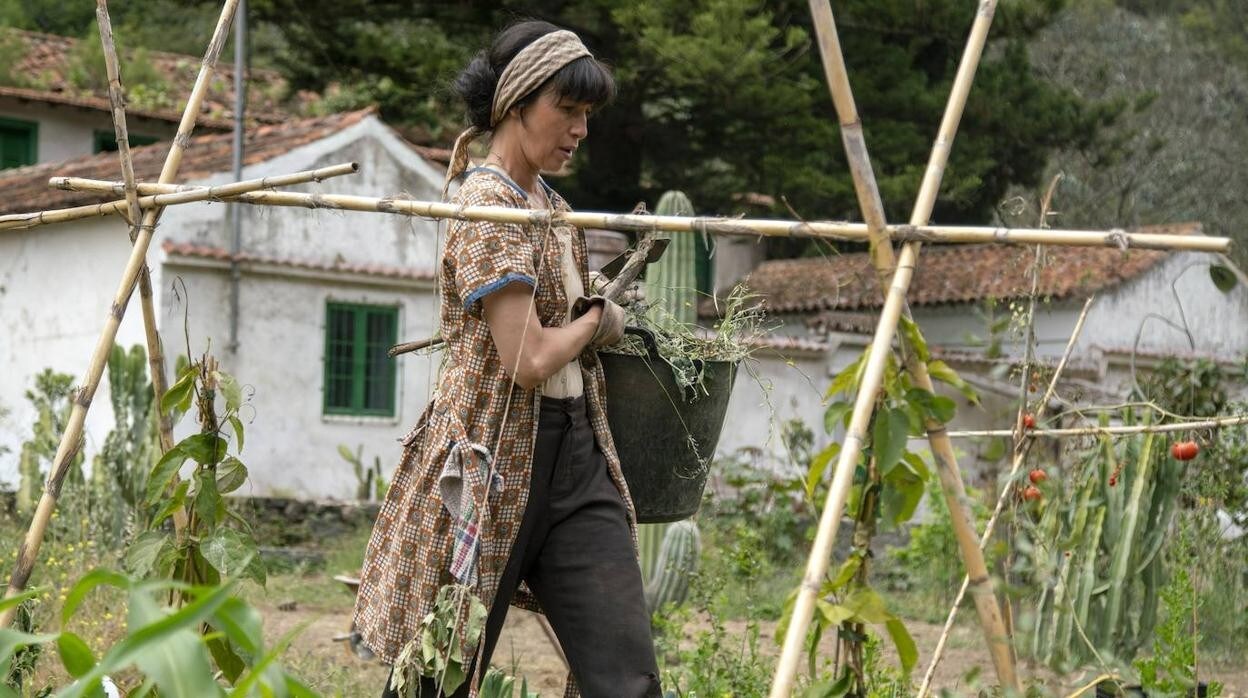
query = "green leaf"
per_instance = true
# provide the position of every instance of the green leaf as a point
(237, 425)
(917, 465)
(939, 370)
(179, 662)
(13, 640)
(177, 501)
(831, 689)
(231, 475)
(910, 330)
(1223, 278)
(847, 571)
(242, 625)
(12, 601)
(868, 606)
(834, 416)
(233, 554)
(206, 449)
(230, 390)
(178, 396)
(833, 614)
(902, 493)
(819, 465)
(144, 554)
(227, 660)
(208, 505)
(847, 378)
(165, 471)
(75, 655)
(906, 650)
(888, 438)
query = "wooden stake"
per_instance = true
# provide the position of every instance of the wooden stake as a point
(159, 195)
(857, 232)
(881, 346)
(71, 438)
(155, 349)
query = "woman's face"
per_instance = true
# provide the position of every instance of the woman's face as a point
(552, 128)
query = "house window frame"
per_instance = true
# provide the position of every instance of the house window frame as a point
(357, 409)
(100, 137)
(32, 129)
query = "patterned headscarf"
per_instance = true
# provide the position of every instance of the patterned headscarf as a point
(531, 67)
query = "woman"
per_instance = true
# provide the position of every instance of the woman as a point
(511, 474)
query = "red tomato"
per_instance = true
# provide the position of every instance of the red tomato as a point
(1032, 493)
(1184, 450)
(1037, 476)
(1029, 421)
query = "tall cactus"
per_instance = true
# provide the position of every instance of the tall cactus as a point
(672, 282)
(671, 287)
(1096, 552)
(51, 400)
(676, 564)
(130, 450)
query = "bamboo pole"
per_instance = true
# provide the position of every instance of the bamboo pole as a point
(71, 438)
(869, 386)
(1015, 467)
(832, 230)
(155, 348)
(1233, 420)
(159, 195)
(883, 260)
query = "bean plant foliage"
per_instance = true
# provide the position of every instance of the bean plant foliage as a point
(188, 633)
(889, 482)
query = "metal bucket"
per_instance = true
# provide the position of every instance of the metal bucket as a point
(665, 439)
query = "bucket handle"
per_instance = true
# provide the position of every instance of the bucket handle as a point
(647, 338)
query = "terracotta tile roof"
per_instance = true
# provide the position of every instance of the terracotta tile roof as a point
(26, 189)
(45, 67)
(193, 251)
(952, 274)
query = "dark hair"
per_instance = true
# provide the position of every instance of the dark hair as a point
(583, 80)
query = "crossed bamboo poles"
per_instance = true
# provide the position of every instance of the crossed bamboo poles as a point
(150, 198)
(995, 633)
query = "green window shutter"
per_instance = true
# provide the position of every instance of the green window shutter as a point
(359, 377)
(106, 141)
(19, 143)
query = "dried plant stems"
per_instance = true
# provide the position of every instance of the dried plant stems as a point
(155, 349)
(1015, 467)
(865, 186)
(831, 230)
(160, 195)
(71, 438)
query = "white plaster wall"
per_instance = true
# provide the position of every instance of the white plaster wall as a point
(56, 287)
(291, 446)
(1219, 321)
(57, 283)
(387, 167)
(67, 132)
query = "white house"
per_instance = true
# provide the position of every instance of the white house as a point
(322, 295)
(53, 109)
(828, 308)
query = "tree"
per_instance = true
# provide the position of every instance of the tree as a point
(717, 97)
(1176, 153)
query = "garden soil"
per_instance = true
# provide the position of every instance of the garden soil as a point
(524, 650)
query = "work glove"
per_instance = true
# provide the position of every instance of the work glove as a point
(610, 323)
(633, 293)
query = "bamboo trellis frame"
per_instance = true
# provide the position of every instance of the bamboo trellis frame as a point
(626, 222)
(151, 197)
(991, 620)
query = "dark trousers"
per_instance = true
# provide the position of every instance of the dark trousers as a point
(576, 554)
